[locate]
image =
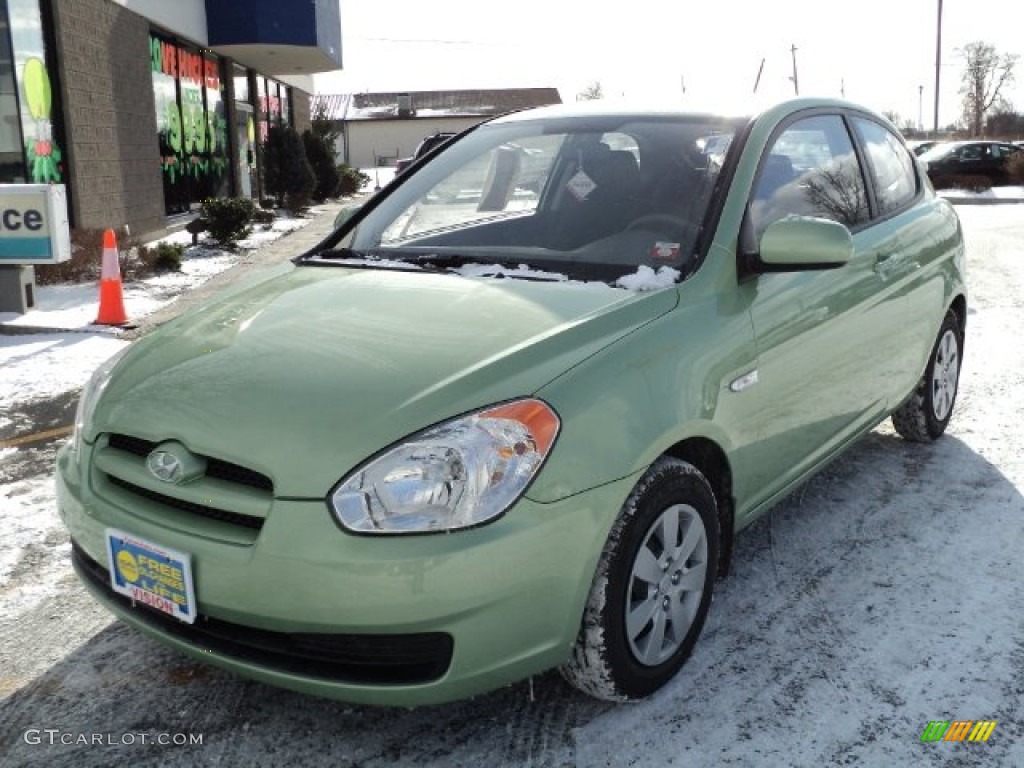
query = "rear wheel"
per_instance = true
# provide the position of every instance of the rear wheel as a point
(926, 413)
(653, 586)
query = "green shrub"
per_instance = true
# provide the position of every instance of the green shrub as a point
(87, 258)
(286, 170)
(322, 161)
(352, 180)
(134, 261)
(163, 257)
(229, 219)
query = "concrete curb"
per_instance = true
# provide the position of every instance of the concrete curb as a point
(983, 200)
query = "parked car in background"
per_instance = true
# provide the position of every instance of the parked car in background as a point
(969, 158)
(511, 415)
(429, 143)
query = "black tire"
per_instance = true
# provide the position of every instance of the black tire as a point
(924, 416)
(616, 662)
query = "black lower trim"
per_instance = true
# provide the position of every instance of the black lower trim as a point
(363, 659)
(251, 522)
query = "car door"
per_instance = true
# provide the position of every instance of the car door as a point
(969, 159)
(906, 236)
(823, 336)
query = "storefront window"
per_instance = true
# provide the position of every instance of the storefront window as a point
(245, 134)
(218, 176)
(191, 123)
(12, 149)
(42, 159)
(241, 78)
(286, 105)
(274, 104)
(261, 102)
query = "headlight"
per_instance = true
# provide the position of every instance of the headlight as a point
(455, 475)
(91, 394)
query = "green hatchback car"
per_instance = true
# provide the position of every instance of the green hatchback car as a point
(510, 415)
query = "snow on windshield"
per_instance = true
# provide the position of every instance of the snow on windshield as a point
(646, 279)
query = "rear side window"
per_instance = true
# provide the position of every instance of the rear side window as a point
(810, 170)
(892, 167)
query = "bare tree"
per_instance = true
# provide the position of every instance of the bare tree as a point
(986, 73)
(1005, 123)
(591, 93)
(837, 193)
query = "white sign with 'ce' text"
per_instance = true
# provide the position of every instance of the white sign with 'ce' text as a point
(34, 224)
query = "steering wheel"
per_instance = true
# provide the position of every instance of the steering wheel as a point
(660, 222)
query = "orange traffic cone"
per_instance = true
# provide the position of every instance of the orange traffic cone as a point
(111, 301)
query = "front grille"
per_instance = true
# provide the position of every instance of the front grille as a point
(223, 515)
(406, 659)
(216, 468)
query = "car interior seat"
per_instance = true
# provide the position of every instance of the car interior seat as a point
(606, 208)
(776, 173)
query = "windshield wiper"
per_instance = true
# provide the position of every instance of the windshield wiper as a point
(479, 265)
(353, 259)
(396, 259)
(443, 261)
(340, 253)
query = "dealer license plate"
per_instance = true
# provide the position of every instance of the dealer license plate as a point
(151, 574)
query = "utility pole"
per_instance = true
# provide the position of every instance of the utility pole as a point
(757, 80)
(920, 108)
(842, 87)
(796, 83)
(938, 65)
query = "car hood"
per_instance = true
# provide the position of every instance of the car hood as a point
(304, 376)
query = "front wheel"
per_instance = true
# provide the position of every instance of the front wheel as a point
(926, 413)
(652, 589)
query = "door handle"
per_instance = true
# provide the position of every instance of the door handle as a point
(886, 263)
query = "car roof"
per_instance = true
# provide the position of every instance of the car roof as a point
(967, 142)
(748, 107)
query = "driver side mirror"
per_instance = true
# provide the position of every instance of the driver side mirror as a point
(345, 214)
(798, 243)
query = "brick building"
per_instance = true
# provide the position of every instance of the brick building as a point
(144, 108)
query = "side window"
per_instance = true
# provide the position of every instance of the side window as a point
(969, 153)
(810, 170)
(892, 167)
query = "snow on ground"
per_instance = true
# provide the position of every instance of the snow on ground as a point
(32, 540)
(1006, 194)
(41, 366)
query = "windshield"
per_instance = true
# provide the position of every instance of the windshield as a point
(939, 151)
(604, 195)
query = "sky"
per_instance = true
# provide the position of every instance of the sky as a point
(878, 52)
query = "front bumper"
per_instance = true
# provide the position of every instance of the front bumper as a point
(402, 621)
